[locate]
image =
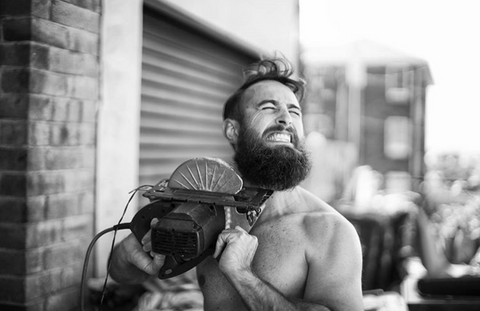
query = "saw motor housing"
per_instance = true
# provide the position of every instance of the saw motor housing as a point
(189, 222)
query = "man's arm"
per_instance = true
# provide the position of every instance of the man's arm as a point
(334, 263)
(238, 250)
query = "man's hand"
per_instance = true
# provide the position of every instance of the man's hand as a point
(238, 248)
(131, 262)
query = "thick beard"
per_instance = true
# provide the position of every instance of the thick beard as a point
(271, 167)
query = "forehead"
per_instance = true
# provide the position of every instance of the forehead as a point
(268, 90)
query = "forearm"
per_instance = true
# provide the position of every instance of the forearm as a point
(260, 295)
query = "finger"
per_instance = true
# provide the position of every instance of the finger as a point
(156, 264)
(149, 265)
(221, 243)
(148, 236)
(147, 247)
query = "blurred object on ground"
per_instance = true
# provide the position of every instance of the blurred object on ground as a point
(174, 294)
(416, 302)
(452, 204)
(387, 301)
(385, 222)
(118, 297)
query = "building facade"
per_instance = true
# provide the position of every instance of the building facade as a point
(373, 97)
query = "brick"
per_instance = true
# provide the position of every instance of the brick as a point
(13, 289)
(65, 300)
(37, 158)
(64, 134)
(15, 80)
(74, 108)
(13, 184)
(15, 8)
(41, 8)
(43, 283)
(18, 29)
(48, 83)
(74, 16)
(33, 305)
(13, 132)
(21, 210)
(84, 41)
(83, 87)
(87, 134)
(65, 61)
(21, 262)
(60, 109)
(12, 262)
(51, 33)
(88, 156)
(86, 203)
(72, 274)
(21, 80)
(13, 159)
(92, 5)
(15, 54)
(89, 110)
(45, 182)
(40, 107)
(13, 236)
(43, 233)
(77, 226)
(39, 133)
(63, 158)
(62, 205)
(53, 182)
(14, 106)
(60, 255)
(11, 8)
(13, 209)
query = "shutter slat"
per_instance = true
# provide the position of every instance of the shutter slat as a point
(186, 79)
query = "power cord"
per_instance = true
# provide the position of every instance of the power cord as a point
(118, 226)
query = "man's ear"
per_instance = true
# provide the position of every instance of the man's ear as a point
(230, 130)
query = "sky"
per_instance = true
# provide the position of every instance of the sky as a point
(446, 34)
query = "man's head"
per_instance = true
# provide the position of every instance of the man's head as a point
(263, 123)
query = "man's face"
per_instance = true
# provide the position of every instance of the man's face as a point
(269, 149)
(270, 103)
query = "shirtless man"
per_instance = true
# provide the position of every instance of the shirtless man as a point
(300, 254)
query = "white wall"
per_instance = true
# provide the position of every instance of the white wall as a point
(271, 25)
(118, 119)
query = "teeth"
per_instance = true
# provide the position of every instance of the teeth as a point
(279, 137)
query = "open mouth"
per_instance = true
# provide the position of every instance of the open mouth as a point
(280, 137)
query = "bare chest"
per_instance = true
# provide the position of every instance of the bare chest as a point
(279, 260)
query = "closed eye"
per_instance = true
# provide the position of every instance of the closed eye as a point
(296, 111)
(268, 106)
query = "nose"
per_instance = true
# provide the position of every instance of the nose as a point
(284, 117)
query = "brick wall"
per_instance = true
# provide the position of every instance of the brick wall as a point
(49, 93)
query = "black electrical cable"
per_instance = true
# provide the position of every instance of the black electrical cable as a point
(87, 257)
(115, 228)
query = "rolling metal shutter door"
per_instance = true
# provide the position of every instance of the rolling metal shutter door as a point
(186, 78)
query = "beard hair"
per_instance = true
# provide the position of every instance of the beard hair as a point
(271, 167)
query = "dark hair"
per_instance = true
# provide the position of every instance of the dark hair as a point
(276, 69)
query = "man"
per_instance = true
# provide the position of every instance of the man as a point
(300, 254)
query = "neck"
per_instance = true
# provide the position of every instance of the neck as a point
(279, 204)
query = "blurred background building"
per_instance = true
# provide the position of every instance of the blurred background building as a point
(372, 98)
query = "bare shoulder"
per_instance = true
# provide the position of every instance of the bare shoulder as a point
(326, 226)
